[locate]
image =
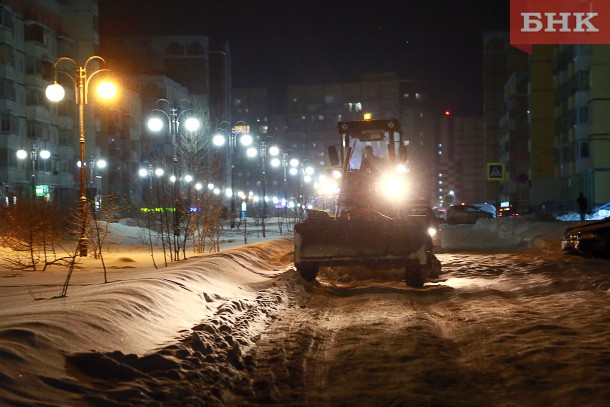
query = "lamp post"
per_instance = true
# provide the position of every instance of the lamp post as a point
(147, 172)
(174, 115)
(306, 177)
(34, 153)
(262, 151)
(284, 162)
(80, 77)
(100, 163)
(290, 166)
(220, 139)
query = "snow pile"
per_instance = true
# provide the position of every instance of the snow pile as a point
(219, 303)
(597, 215)
(502, 234)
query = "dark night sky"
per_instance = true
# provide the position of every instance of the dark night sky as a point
(314, 41)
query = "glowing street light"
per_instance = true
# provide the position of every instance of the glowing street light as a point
(99, 163)
(263, 149)
(176, 115)
(220, 139)
(35, 152)
(81, 77)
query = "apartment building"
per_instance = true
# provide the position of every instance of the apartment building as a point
(32, 35)
(500, 61)
(551, 127)
(460, 160)
(514, 143)
(543, 185)
(581, 75)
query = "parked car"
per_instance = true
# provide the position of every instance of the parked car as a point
(507, 212)
(466, 214)
(591, 239)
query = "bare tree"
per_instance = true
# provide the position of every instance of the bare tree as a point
(34, 233)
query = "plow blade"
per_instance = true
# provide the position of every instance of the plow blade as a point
(387, 244)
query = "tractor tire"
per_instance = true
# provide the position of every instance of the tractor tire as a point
(308, 272)
(434, 265)
(414, 276)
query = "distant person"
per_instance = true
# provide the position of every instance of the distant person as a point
(582, 205)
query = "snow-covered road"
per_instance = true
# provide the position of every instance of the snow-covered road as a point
(497, 330)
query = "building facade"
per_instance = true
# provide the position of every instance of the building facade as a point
(500, 61)
(460, 160)
(32, 35)
(582, 117)
(551, 132)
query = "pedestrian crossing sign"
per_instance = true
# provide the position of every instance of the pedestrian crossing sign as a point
(495, 171)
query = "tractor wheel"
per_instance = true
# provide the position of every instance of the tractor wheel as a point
(434, 265)
(414, 276)
(309, 272)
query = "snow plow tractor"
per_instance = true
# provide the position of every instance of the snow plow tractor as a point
(370, 223)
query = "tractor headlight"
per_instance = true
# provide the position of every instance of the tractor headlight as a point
(328, 187)
(393, 186)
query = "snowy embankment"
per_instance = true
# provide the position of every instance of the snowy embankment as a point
(213, 306)
(503, 234)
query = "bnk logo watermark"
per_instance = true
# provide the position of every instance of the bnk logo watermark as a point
(559, 22)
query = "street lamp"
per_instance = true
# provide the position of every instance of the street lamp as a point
(263, 149)
(293, 170)
(245, 139)
(147, 173)
(290, 166)
(99, 163)
(175, 115)
(35, 152)
(55, 93)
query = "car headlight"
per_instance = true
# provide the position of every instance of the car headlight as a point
(432, 231)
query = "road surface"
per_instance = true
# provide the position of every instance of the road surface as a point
(496, 329)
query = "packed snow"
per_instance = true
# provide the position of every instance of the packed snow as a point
(149, 327)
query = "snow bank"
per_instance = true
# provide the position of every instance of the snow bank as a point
(598, 215)
(108, 328)
(502, 234)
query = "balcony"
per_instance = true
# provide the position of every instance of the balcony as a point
(6, 35)
(36, 49)
(37, 113)
(7, 71)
